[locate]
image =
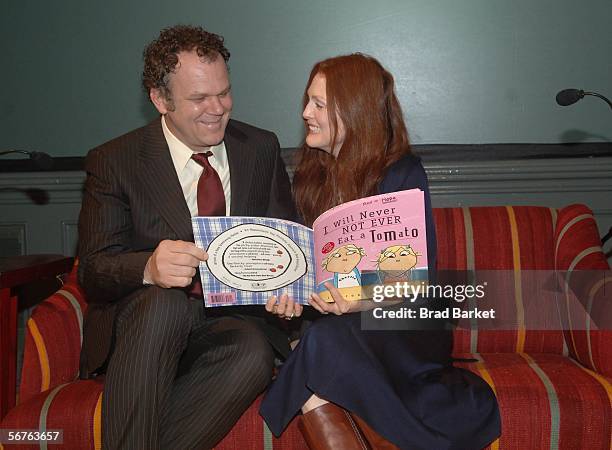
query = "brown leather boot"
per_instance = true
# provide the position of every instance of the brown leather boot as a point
(376, 441)
(329, 427)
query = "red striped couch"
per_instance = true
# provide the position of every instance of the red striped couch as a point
(554, 387)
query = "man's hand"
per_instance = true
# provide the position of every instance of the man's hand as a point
(173, 264)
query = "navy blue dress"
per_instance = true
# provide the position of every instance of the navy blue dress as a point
(402, 383)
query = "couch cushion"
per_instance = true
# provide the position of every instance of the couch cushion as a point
(251, 433)
(509, 240)
(547, 401)
(75, 408)
(53, 342)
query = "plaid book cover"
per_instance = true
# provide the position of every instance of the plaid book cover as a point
(252, 258)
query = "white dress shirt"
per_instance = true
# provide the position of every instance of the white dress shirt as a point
(189, 171)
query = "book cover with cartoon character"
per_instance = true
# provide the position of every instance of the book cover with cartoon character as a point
(355, 245)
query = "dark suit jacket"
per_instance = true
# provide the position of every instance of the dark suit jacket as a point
(133, 200)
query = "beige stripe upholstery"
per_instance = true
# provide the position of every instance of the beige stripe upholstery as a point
(267, 437)
(554, 214)
(567, 289)
(567, 227)
(77, 309)
(470, 266)
(596, 287)
(44, 412)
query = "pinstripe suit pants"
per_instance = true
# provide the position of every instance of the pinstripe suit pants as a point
(178, 380)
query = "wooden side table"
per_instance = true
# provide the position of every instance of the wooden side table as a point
(15, 272)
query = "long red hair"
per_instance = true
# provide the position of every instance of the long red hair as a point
(361, 93)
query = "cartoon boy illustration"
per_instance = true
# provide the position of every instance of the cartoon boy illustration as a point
(395, 263)
(343, 262)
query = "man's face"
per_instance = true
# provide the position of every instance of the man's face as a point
(199, 103)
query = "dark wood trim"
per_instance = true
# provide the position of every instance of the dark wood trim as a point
(497, 152)
(19, 270)
(26, 165)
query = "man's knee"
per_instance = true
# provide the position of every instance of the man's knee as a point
(253, 356)
(156, 312)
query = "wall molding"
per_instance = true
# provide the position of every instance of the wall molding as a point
(553, 182)
(521, 176)
(70, 233)
(17, 231)
(429, 153)
(22, 188)
(524, 176)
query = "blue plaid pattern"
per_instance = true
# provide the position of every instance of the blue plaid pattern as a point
(205, 229)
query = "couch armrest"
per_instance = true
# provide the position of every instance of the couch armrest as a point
(577, 243)
(53, 341)
(585, 304)
(586, 289)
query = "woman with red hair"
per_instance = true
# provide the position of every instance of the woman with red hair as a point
(357, 388)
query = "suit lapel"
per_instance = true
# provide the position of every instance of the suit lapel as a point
(159, 179)
(241, 159)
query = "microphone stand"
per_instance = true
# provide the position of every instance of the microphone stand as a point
(595, 94)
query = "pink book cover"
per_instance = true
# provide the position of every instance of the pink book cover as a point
(354, 246)
(376, 240)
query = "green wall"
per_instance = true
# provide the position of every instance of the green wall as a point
(470, 71)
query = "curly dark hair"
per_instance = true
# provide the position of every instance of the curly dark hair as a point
(161, 55)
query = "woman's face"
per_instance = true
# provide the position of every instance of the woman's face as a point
(317, 119)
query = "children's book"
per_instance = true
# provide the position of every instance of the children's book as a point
(353, 246)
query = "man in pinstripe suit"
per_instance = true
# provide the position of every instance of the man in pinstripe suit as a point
(174, 378)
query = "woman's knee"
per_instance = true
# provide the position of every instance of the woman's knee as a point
(326, 332)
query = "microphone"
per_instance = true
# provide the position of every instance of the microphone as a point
(40, 159)
(568, 97)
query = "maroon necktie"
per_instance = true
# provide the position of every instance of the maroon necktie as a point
(211, 199)
(211, 202)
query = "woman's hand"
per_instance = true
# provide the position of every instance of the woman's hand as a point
(284, 307)
(341, 306)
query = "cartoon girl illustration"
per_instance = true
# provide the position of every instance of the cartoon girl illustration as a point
(395, 263)
(343, 262)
